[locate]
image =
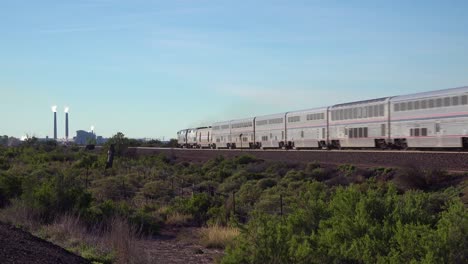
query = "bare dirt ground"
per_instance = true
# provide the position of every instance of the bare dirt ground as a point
(18, 246)
(172, 246)
(179, 245)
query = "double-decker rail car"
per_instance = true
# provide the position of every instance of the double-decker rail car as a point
(307, 128)
(203, 136)
(270, 131)
(362, 124)
(242, 133)
(221, 135)
(437, 119)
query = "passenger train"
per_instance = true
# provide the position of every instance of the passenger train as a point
(437, 119)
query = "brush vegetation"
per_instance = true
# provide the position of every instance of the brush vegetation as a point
(261, 212)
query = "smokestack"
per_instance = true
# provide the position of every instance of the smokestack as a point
(55, 125)
(66, 123)
(54, 109)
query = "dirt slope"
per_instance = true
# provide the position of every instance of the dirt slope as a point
(18, 246)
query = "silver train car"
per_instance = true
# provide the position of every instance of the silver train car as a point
(194, 137)
(436, 119)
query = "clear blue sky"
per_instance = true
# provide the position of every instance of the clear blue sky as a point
(150, 68)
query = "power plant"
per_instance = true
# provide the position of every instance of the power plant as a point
(82, 137)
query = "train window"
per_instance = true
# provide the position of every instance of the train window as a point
(294, 119)
(447, 101)
(396, 107)
(356, 132)
(364, 112)
(431, 103)
(354, 113)
(464, 99)
(376, 110)
(340, 114)
(424, 132)
(410, 106)
(411, 132)
(302, 134)
(271, 135)
(350, 132)
(403, 106)
(439, 102)
(423, 104)
(365, 132)
(437, 127)
(416, 105)
(382, 130)
(359, 112)
(455, 100)
(381, 110)
(416, 132)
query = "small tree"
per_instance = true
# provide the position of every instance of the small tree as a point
(121, 143)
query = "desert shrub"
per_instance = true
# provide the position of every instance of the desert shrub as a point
(158, 190)
(271, 238)
(311, 166)
(266, 183)
(245, 159)
(147, 223)
(358, 224)
(4, 163)
(347, 169)
(10, 187)
(198, 206)
(319, 174)
(293, 175)
(113, 187)
(422, 179)
(234, 182)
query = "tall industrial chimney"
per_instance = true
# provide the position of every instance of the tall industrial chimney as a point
(55, 125)
(66, 123)
(54, 109)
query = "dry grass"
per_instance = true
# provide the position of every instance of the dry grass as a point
(178, 219)
(19, 215)
(123, 238)
(115, 244)
(218, 236)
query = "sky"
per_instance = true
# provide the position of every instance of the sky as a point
(150, 68)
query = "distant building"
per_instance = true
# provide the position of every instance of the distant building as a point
(100, 140)
(84, 137)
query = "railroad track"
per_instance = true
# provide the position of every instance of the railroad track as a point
(445, 160)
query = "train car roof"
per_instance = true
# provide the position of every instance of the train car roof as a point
(315, 109)
(270, 116)
(449, 91)
(370, 101)
(248, 119)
